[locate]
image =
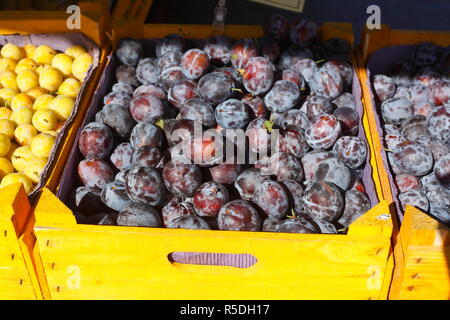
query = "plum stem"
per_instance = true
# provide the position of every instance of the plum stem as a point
(293, 215)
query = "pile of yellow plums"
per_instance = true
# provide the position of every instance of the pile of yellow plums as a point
(38, 88)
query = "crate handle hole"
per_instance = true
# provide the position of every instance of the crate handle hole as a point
(237, 260)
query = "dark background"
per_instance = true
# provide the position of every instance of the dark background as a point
(399, 14)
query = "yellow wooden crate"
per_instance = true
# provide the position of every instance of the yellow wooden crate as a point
(422, 249)
(17, 277)
(14, 254)
(75, 261)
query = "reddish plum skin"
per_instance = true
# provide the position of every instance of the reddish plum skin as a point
(170, 76)
(395, 110)
(295, 77)
(209, 199)
(225, 173)
(351, 150)
(303, 32)
(324, 132)
(269, 48)
(358, 185)
(438, 124)
(286, 166)
(121, 156)
(283, 96)
(312, 160)
(413, 158)
(344, 69)
(146, 134)
(327, 82)
(356, 204)
(95, 173)
(204, 151)
(122, 88)
(129, 51)
(334, 171)
(146, 108)
(137, 214)
(189, 222)
(384, 87)
(120, 98)
(414, 127)
(306, 67)
(114, 196)
(270, 224)
(169, 59)
(151, 90)
(414, 198)
(218, 49)
(147, 71)
(440, 93)
(442, 170)
(272, 198)
(197, 109)
(345, 100)
(256, 106)
(247, 182)
(182, 179)
(127, 74)
(295, 194)
(296, 225)
(144, 184)
(293, 141)
(407, 182)
(87, 200)
(258, 75)
(181, 92)
(175, 209)
(323, 201)
(215, 87)
(171, 43)
(96, 141)
(292, 55)
(437, 147)
(232, 114)
(296, 118)
(277, 27)
(259, 138)
(242, 51)
(118, 118)
(318, 105)
(194, 63)
(239, 215)
(146, 156)
(349, 119)
(393, 140)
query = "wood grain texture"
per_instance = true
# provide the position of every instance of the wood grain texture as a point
(116, 262)
(15, 280)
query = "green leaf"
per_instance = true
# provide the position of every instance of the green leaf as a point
(160, 123)
(268, 124)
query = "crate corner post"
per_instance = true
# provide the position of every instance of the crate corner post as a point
(17, 277)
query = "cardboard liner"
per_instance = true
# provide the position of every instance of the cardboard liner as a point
(70, 179)
(59, 42)
(381, 62)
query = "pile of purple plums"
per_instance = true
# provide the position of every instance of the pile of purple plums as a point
(414, 102)
(282, 103)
